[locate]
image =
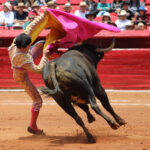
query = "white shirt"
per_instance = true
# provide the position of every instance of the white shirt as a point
(80, 14)
(121, 24)
(7, 17)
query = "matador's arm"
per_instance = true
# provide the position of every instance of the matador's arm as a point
(36, 68)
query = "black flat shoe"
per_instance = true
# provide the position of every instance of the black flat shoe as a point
(30, 130)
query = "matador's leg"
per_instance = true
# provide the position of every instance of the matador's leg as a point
(37, 104)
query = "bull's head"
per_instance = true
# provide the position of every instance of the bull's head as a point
(105, 50)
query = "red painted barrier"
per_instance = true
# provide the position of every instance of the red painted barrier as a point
(120, 69)
(125, 69)
(124, 39)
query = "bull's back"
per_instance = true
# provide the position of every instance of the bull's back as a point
(73, 64)
(71, 70)
(69, 67)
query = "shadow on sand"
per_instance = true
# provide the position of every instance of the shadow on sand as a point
(77, 139)
(58, 140)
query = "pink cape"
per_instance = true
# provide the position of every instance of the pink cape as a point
(77, 29)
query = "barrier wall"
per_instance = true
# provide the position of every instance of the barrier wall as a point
(124, 39)
(120, 69)
(125, 69)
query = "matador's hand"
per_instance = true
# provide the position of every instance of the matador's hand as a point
(47, 54)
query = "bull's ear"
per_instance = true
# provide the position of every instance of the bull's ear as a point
(105, 50)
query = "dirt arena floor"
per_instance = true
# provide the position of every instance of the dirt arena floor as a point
(62, 133)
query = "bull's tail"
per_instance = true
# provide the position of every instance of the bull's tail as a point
(47, 91)
(56, 90)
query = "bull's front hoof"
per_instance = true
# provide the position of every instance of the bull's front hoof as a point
(121, 122)
(91, 140)
(114, 126)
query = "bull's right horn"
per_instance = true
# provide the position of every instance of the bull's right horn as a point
(105, 50)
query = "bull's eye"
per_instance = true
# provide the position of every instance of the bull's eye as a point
(99, 55)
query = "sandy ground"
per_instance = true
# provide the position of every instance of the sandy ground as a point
(62, 133)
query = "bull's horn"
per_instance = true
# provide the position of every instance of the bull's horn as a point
(105, 50)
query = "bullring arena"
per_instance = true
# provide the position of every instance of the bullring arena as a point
(124, 73)
(62, 133)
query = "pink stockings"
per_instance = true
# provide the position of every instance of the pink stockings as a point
(37, 103)
(34, 116)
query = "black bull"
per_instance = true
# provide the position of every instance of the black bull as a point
(72, 78)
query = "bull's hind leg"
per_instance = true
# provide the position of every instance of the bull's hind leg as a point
(85, 108)
(92, 101)
(65, 104)
(102, 96)
(95, 107)
(87, 89)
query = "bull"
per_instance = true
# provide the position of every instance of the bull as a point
(72, 78)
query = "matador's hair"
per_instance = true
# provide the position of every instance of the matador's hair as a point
(22, 40)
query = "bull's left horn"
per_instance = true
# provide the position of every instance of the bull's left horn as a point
(105, 50)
